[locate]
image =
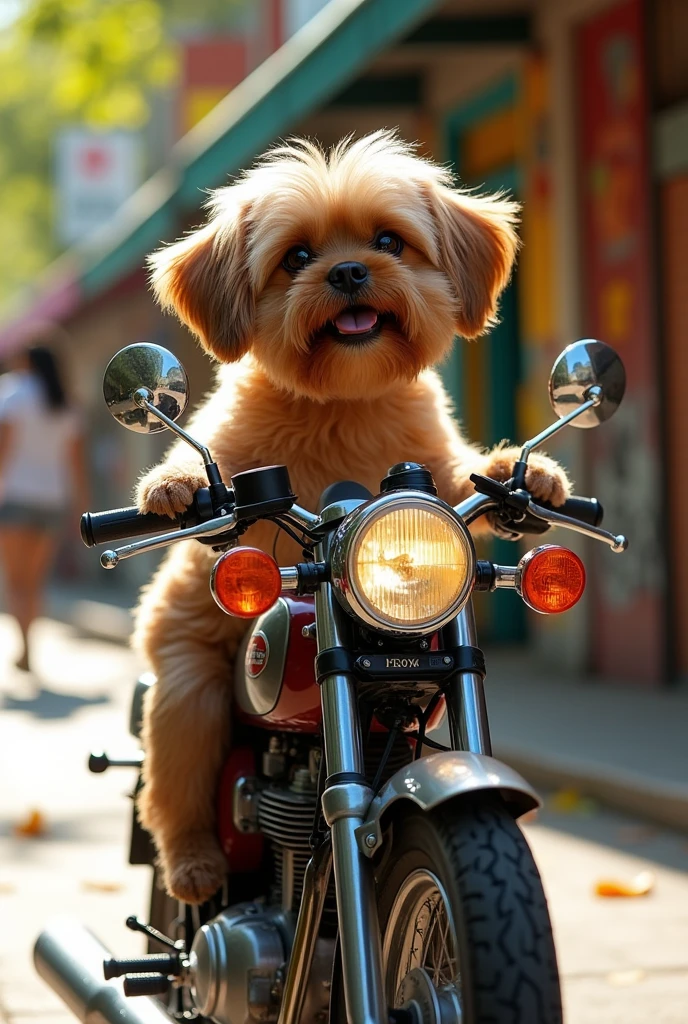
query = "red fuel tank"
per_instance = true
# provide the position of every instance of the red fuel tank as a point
(275, 685)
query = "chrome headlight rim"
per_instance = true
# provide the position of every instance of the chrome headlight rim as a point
(344, 545)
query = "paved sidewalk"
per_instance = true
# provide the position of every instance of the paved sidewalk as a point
(75, 862)
(102, 612)
(623, 745)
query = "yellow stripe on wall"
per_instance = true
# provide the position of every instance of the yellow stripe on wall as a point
(489, 145)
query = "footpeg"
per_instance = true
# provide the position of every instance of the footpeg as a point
(146, 984)
(149, 975)
(100, 762)
(163, 963)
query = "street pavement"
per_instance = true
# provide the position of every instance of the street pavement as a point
(623, 960)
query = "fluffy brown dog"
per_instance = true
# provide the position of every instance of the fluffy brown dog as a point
(331, 283)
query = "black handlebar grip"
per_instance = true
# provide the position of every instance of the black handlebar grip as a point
(588, 510)
(585, 510)
(122, 523)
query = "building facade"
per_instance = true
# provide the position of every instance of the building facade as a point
(580, 109)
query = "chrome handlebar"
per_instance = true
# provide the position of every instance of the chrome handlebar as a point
(480, 504)
(111, 558)
(470, 509)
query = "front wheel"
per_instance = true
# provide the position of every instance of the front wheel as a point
(466, 935)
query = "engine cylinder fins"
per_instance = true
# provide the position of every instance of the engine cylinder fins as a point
(286, 817)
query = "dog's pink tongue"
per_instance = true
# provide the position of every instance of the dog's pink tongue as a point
(356, 321)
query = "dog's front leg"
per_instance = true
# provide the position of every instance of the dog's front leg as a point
(190, 645)
(185, 735)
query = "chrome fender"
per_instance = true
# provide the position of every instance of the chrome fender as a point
(433, 780)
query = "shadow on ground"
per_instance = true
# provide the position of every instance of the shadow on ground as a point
(626, 834)
(49, 704)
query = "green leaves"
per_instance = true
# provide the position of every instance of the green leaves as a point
(93, 62)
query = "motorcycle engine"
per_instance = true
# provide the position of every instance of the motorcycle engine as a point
(238, 959)
(236, 966)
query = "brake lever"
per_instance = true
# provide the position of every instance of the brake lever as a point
(618, 543)
(223, 524)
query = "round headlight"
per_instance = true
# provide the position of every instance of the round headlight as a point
(403, 563)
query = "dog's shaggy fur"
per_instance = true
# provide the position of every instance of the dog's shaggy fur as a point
(328, 406)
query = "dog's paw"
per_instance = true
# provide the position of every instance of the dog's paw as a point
(545, 479)
(194, 867)
(167, 491)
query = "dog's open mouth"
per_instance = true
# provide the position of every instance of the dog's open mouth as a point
(357, 324)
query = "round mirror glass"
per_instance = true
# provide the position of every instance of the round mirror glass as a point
(153, 368)
(583, 365)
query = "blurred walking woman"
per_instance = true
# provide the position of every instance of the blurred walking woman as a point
(42, 476)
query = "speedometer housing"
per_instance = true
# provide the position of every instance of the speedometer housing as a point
(403, 563)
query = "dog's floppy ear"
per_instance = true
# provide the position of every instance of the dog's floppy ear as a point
(204, 277)
(477, 247)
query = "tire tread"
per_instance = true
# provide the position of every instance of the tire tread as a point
(511, 951)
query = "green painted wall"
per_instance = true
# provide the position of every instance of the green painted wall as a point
(503, 615)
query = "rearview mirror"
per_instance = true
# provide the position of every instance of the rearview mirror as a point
(155, 370)
(584, 365)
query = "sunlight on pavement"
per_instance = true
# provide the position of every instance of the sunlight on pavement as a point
(623, 961)
(78, 700)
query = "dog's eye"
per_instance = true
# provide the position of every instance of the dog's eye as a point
(297, 258)
(387, 241)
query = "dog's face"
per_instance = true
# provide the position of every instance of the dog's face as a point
(343, 274)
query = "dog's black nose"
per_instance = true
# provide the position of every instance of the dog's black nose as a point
(348, 277)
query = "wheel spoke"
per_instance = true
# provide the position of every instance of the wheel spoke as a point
(420, 935)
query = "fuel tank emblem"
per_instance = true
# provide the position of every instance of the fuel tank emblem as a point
(257, 654)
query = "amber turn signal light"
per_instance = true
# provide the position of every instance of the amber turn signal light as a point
(552, 579)
(245, 582)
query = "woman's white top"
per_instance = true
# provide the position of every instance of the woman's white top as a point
(37, 470)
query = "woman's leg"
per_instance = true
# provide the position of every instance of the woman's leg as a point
(25, 556)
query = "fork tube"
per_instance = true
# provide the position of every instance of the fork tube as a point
(310, 912)
(345, 802)
(468, 723)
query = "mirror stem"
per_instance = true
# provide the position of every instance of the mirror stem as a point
(519, 478)
(142, 397)
(218, 491)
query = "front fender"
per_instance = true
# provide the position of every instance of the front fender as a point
(437, 778)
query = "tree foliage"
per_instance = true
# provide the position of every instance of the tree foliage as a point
(95, 62)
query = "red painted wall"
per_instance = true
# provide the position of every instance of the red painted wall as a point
(617, 272)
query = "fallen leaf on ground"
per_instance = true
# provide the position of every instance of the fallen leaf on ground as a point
(641, 885)
(102, 886)
(621, 979)
(571, 801)
(34, 824)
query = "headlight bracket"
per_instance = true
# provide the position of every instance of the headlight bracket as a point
(397, 666)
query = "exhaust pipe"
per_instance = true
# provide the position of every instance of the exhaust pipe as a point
(70, 959)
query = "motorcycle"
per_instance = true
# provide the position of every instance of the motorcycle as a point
(377, 874)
